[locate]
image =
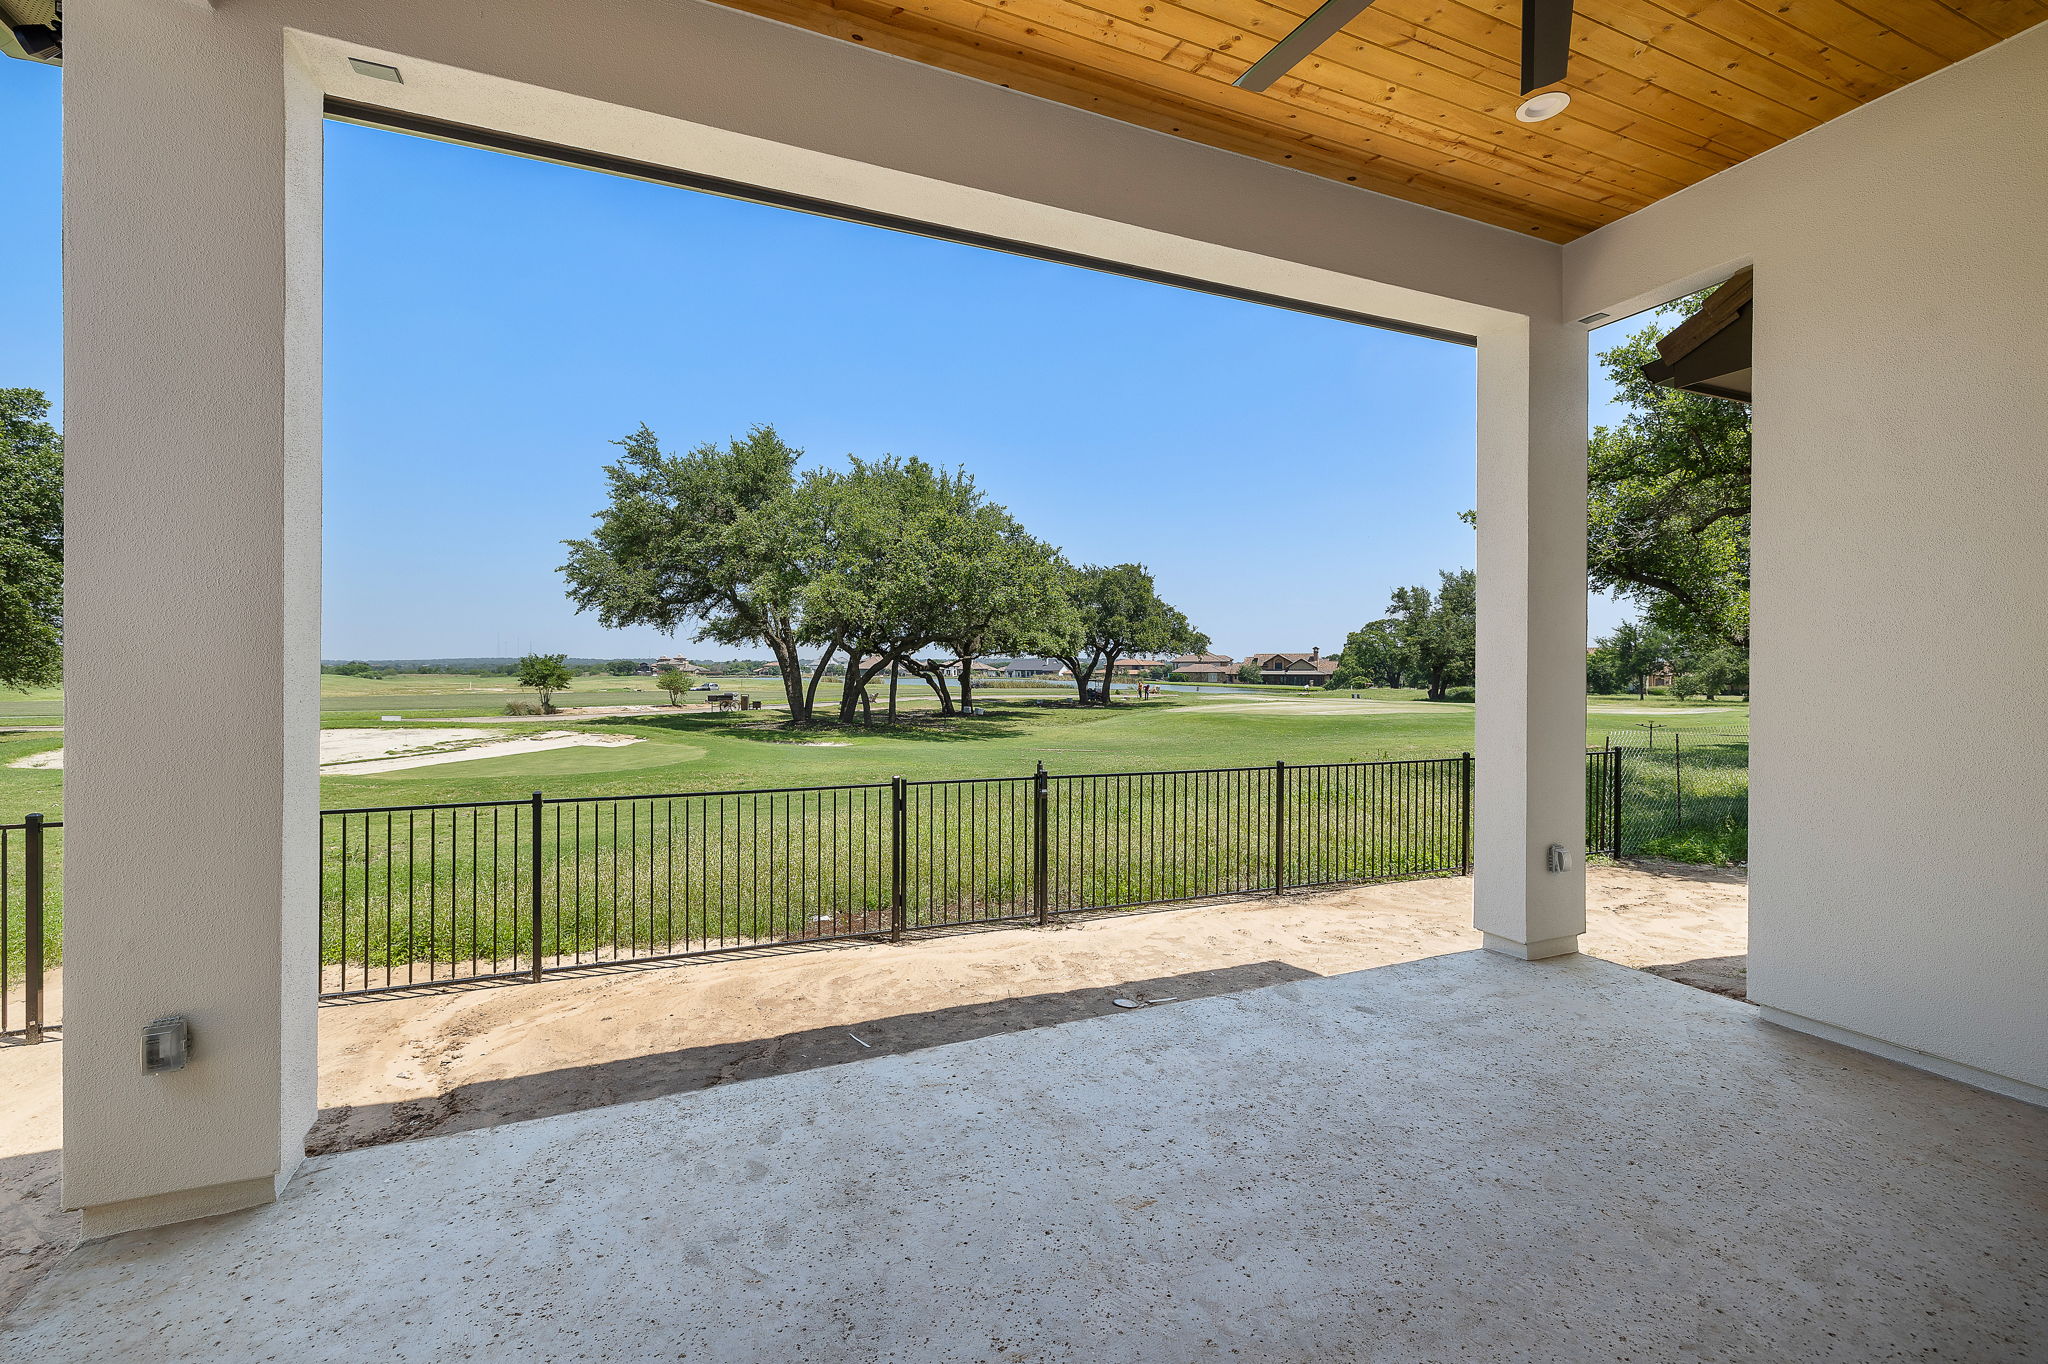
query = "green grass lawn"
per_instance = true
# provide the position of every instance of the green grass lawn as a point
(710, 752)
(705, 752)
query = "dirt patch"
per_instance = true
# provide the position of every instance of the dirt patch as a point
(466, 1057)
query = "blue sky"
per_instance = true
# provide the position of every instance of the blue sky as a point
(492, 323)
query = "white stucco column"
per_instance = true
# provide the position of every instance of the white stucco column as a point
(1530, 752)
(191, 275)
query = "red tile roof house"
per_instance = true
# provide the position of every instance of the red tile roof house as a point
(1295, 670)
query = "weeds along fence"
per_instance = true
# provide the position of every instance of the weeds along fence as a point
(419, 894)
(1679, 795)
(416, 894)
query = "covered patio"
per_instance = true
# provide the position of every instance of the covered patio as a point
(1463, 1157)
(1511, 1153)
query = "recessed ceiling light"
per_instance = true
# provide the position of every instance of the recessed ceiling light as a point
(1549, 104)
(377, 70)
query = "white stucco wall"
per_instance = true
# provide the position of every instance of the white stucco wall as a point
(1899, 875)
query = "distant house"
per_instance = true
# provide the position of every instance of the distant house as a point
(1206, 667)
(767, 670)
(1138, 667)
(1035, 669)
(1295, 670)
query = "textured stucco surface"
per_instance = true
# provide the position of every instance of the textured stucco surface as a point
(1900, 549)
(1461, 1158)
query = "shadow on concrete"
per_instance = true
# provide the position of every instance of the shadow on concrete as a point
(34, 1228)
(486, 1103)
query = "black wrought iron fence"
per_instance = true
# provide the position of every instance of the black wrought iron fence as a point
(31, 854)
(418, 894)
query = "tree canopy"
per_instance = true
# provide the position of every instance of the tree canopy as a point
(1426, 639)
(1114, 612)
(886, 562)
(1669, 500)
(546, 674)
(31, 542)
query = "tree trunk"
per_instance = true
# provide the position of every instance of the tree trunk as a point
(854, 692)
(935, 678)
(818, 672)
(1081, 677)
(895, 669)
(966, 684)
(792, 679)
(1108, 678)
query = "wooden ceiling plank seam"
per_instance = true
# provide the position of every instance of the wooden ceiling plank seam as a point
(1484, 31)
(1794, 88)
(1763, 31)
(1948, 33)
(1615, 121)
(1611, 176)
(1551, 174)
(1147, 46)
(1407, 70)
(1683, 129)
(1397, 180)
(1665, 70)
(2006, 18)
(1496, 61)
(1833, 22)
(1742, 65)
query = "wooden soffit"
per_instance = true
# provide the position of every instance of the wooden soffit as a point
(1416, 98)
(1708, 353)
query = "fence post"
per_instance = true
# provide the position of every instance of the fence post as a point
(1041, 795)
(535, 871)
(32, 998)
(1677, 779)
(1465, 815)
(1614, 808)
(1279, 828)
(898, 815)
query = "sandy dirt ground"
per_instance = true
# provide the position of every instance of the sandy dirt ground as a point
(452, 1058)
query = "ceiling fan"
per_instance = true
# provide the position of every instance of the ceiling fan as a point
(1546, 42)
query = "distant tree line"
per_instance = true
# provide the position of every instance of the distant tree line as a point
(1427, 639)
(887, 564)
(31, 542)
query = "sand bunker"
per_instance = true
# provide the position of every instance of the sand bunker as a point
(466, 751)
(356, 752)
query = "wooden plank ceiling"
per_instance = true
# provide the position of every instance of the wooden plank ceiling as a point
(1416, 98)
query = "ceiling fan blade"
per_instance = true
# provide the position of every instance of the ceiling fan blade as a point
(1309, 35)
(1546, 42)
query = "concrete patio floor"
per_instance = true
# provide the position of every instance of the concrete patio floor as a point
(1458, 1158)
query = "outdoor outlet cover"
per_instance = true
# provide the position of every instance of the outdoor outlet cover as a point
(165, 1045)
(1556, 859)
